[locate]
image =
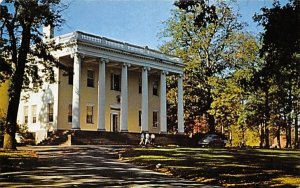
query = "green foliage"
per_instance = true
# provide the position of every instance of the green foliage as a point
(248, 88)
(25, 19)
(208, 38)
(277, 80)
(25, 56)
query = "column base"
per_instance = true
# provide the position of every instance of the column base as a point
(101, 130)
(124, 131)
(181, 133)
(163, 132)
(75, 129)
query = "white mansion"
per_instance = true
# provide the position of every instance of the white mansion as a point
(116, 86)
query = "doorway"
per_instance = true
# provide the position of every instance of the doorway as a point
(114, 122)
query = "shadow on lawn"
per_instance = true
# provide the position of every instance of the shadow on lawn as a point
(226, 167)
(84, 167)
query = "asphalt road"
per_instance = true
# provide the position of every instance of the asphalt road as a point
(85, 166)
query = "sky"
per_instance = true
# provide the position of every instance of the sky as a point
(137, 21)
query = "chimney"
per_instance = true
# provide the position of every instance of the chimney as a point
(48, 32)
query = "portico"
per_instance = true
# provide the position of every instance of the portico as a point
(110, 86)
(127, 59)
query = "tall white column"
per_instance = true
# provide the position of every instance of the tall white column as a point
(180, 114)
(124, 98)
(76, 92)
(101, 95)
(163, 102)
(144, 126)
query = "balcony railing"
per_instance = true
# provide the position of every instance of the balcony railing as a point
(117, 45)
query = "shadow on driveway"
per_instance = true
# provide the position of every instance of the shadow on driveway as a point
(85, 166)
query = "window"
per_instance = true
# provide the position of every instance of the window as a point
(90, 78)
(89, 114)
(70, 78)
(50, 112)
(33, 112)
(155, 87)
(115, 82)
(25, 114)
(140, 118)
(155, 118)
(70, 113)
(140, 84)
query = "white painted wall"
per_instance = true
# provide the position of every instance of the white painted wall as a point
(47, 94)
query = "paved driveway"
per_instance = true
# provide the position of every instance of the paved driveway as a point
(85, 166)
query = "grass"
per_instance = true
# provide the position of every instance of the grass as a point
(17, 154)
(11, 160)
(225, 167)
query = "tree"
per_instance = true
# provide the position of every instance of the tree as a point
(206, 36)
(24, 53)
(280, 71)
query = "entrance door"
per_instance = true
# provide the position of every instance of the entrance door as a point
(114, 122)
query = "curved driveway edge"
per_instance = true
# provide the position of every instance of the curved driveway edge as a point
(86, 166)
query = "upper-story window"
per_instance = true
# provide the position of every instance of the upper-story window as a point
(90, 78)
(70, 78)
(115, 82)
(140, 84)
(155, 87)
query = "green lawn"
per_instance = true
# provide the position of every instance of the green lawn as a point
(225, 167)
(13, 160)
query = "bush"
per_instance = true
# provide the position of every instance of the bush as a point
(22, 130)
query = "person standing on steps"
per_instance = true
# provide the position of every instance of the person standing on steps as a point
(142, 142)
(147, 140)
(152, 139)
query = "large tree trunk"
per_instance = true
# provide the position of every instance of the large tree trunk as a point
(13, 106)
(267, 116)
(267, 145)
(289, 125)
(12, 111)
(211, 123)
(15, 90)
(278, 137)
(211, 118)
(296, 132)
(262, 136)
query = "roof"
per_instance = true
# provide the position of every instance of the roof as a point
(101, 41)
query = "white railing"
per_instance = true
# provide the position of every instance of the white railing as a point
(64, 38)
(113, 44)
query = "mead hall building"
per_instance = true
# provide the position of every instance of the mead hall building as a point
(115, 86)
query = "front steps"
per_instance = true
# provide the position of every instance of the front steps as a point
(80, 137)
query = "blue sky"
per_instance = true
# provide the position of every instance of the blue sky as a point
(136, 21)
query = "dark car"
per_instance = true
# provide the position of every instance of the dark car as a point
(212, 140)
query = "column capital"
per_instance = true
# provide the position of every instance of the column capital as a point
(146, 68)
(126, 65)
(180, 75)
(164, 72)
(103, 60)
(77, 54)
